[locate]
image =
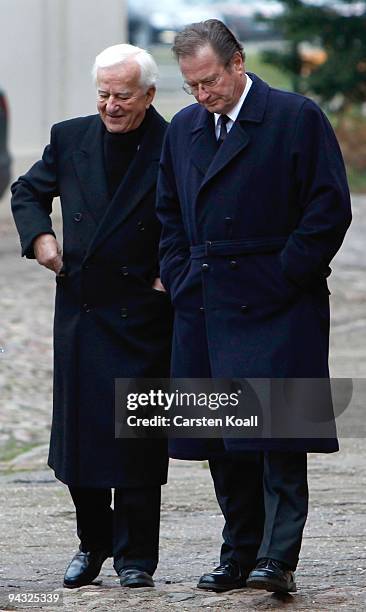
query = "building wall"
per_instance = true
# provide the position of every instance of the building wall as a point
(47, 48)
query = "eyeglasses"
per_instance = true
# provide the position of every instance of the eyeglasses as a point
(208, 85)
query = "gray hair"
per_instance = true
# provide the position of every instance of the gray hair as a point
(210, 32)
(117, 54)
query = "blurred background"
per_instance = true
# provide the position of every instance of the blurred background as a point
(47, 48)
(317, 47)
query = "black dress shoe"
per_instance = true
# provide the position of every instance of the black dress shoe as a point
(225, 577)
(134, 578)
(273, 576)
(84, 568)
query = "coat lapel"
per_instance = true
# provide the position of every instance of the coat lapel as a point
(235, 142)
(203, 143)
(89, 167)
(252, 111)
(139, 179)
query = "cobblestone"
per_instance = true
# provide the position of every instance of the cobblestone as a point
(37, 519)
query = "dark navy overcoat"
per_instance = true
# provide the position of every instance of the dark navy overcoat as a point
(109, 322)
(249, 230)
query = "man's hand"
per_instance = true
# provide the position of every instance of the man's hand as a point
(158, 285)
(48, 252)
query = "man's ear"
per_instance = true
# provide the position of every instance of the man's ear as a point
(150, 94)
(237, 63)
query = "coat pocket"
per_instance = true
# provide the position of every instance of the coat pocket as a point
(267, 282)
(61, 276)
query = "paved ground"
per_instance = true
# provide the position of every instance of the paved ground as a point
(37, 522)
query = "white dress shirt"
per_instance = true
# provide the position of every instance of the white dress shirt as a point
(234, 111)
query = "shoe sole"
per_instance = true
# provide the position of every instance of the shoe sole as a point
(135, 584)
(80, 584)
(220, 589)
(269, 585)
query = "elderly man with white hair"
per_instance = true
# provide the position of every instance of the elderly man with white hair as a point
(112, 316)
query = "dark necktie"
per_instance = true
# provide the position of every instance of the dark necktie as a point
(223, 119)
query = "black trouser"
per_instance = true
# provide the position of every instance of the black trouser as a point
(264, 500)
(130, 532)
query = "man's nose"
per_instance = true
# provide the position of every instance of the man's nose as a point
(111, 105)
(202, 95)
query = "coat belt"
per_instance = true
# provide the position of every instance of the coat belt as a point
(238, 247)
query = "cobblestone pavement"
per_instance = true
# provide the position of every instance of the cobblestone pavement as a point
(37, 521)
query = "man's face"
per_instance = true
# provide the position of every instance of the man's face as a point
(121, 101)
(216, 87)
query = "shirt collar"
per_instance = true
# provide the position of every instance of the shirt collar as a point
(235, 111)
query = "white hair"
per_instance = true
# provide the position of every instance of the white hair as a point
(117, 54)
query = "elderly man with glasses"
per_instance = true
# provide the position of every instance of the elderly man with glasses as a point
(253, 200)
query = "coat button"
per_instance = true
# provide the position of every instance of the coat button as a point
(202, 309)
(243, 309)
(87, 307)
(124, 313)
(124, 271)
(77, 217)
(205, 267)
(233, 264)
(140, 225)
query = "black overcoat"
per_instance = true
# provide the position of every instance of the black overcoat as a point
(109, 322)
(249, 230)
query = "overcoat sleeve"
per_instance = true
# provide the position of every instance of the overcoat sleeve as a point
(174, 248)
(322, 191)
(32, 198)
